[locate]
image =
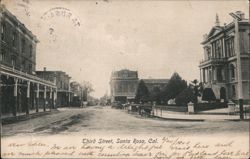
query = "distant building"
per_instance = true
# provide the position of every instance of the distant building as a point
(123, 85)
(155, 83)
(79, 94)
(62, 81)
(21, 90)
(225, 67)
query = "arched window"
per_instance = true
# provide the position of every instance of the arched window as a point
(232, 71)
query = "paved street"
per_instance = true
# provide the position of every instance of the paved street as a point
(104, 120)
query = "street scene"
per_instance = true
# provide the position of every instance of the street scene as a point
(105, 120)
(111, 68)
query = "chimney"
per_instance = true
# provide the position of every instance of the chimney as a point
(44, 69)
(217, 21)
(240, 14)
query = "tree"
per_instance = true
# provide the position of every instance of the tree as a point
(86, 89)
(208, 95)
(142, 93)
(186, 96)
(197, 89)
(174, 87)
(104, 99)
(155, 95)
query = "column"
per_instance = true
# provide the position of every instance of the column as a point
(239, 76)
(204, 76)
(28, 97)
(223, 48)
(50, 99)
(69, 99)
(37, 97)
(200, 75)
(44, 96)
(212, 49)
(55, 98)
(15, 97)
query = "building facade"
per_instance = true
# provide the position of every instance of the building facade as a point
(226, 64)
(21, 90)
(153, 84)
(62, 81)
(79, 94)
(123, 85)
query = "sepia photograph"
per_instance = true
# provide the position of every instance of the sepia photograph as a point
(125, 79)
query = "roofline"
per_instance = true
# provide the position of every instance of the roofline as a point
(225, 28)
(11, 16)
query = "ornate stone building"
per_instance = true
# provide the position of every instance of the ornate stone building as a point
(123, 85)
(21, 91)
(225, 67)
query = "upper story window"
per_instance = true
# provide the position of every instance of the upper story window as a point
(61, 84)
(230, 47)
(30, 68)
(31, 50)
(23, 66)
(3, 30)
(218, 49)
(208, 52)
(14, 39)
(23, 45)
(232, 71)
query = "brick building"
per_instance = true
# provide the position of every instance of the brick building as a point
(62, 81)
(123, 85)
(21, 90)
(225, 67)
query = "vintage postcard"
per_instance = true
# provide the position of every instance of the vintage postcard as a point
(116, 79)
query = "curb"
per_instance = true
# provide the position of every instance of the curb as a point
(178, 119)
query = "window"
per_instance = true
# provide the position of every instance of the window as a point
(230, 47)
(232, 71)
(218, 49)
(233, 91)
(23, 45)
(3, 30)
(61, 84)
(219, 74)
(2, 56)
(31, 50)
(14, 38)
(30, 68)
(208, 53)
(23, 65)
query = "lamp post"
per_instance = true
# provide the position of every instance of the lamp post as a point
(237, 18)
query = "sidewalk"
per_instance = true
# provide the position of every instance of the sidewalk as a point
(211, 115)
(9, 118)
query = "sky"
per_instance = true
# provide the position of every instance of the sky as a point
(89, 39)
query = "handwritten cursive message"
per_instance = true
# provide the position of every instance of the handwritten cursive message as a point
(167, 147)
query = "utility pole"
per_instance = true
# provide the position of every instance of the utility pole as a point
(237, 51)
